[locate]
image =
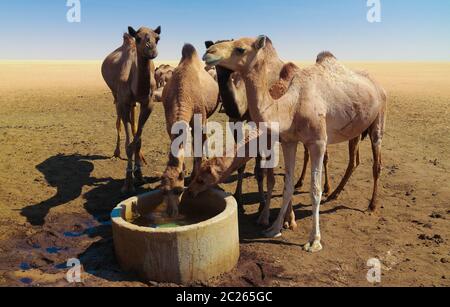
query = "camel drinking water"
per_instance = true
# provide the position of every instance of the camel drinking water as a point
(325, 104)
(190, 91)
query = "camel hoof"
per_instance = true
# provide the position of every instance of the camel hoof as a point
(272, 233)
(293, 226)
(314, 247)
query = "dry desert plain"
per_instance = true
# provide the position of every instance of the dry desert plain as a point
(58, 184)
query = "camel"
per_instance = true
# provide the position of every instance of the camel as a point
(217, 170)
(234, 99)
(190, 91)
(163, 74)
(128, 73)
(325, 104)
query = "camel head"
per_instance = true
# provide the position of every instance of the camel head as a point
(146, 41)
(237, 55)
(208, 176)
(172, 187)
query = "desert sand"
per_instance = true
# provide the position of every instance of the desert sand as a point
(58, 184)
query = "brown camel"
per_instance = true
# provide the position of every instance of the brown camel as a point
(191, 91)
(128, 72)
(326, 103)
(163, 74)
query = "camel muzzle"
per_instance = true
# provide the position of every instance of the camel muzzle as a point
(211, 59)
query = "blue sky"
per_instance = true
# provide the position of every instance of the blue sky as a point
(411, 30)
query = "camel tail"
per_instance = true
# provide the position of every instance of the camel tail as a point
(188, 52)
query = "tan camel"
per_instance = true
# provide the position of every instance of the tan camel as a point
(190, 91)
(163, 74)
(217, 170)
(325, 104)
(128, 72)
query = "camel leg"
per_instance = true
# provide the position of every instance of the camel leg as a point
(300, 183)
(133, 120)
(353, 163)
(118, 128)
(264, 217)
(199, 160)
(290, 218)
(145, 112)
(327, 186)
(241, 171)
(134, 130)
(259, 174)
(317, 151)
(125, 110)
(289, 152)
(376, 139)
(238, 193)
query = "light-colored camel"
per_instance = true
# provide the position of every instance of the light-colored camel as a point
(234, 102)
(217, 170)
(325, 104)
(128, 72)
(190, 91)
(163, 74)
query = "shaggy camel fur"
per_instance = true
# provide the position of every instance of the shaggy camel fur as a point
(325, 104)
(128, 72)
(190, 91)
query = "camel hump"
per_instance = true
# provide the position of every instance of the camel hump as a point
(188, 52)
(324, 56)
(288, 71)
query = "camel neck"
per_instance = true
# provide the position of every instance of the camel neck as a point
(258, 81)
(242, 155)
(228, 93)
(260, 102)
(143, 65)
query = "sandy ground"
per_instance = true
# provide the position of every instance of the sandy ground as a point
(58, 184)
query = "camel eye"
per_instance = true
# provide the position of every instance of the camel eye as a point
(240, 50)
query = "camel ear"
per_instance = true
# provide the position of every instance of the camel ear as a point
(158, 30)
(261, 42)
(209, 44)
(132, 31)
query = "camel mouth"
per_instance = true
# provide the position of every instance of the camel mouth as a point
(212, 60)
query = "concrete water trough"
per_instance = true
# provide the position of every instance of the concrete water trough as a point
(172, 253)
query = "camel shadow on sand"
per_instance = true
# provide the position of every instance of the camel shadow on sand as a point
(69, 174)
